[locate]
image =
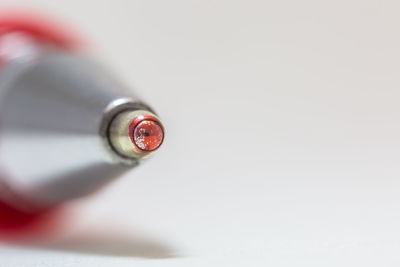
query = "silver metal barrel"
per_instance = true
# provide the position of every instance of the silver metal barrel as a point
(55, 113)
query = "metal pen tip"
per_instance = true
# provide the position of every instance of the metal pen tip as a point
(136, 134)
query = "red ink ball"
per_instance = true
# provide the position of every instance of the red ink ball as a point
(147, 135)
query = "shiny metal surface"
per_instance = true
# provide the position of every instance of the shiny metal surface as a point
(55, 109)
(108, 128)
(119, 134)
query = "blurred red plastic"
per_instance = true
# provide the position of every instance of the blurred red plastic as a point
(19, 225)
(14, 223)
(40, 28)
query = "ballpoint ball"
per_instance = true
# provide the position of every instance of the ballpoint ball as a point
(148, 135)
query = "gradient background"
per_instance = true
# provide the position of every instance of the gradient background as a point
(283, 136)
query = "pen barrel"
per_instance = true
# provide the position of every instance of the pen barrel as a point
(55, 108)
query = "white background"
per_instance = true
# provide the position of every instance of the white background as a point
(283, 136)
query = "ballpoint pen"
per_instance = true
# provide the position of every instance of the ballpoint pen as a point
(67, 127)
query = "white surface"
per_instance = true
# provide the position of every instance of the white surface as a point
(283, 143)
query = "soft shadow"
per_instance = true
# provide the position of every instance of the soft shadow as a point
(117, 245)
(51, 230)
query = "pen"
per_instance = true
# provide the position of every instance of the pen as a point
(67, 126)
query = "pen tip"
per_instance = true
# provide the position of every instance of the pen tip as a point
(136, 134)
(147, 134)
